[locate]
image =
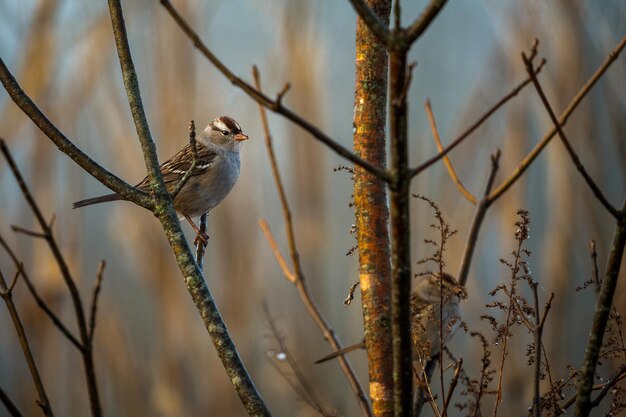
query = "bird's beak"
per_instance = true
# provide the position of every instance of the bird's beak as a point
(239, 137)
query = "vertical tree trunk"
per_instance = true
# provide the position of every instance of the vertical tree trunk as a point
(371, 210)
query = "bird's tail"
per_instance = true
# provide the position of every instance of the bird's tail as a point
(97, 200)
(343, 351)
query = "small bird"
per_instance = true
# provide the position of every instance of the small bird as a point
(215, 174)
(425, 317)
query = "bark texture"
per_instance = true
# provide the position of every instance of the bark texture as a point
(371, 210)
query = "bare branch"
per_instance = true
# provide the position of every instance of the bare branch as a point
(601, 316)
(65, 145)
(422, 23)
(194, 281)
(474, 126)
(373, 22)
(297, 276)
(479, 216)
(348, 300)
(200, 246)
(521, 168)
(194, 161)
(28, 355)
(274, 105)
(9, 405)
(94, 301)
(433, 127)
(453, 384)
(570, 150)
(269, 236)
(305, 391)
(40, 302)
(18, 229)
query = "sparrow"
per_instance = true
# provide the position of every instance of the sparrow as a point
(215, 174)
(425, 305)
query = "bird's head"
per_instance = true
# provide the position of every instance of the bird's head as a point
(223, 132)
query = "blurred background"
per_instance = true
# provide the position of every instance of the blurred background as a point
(153, 354)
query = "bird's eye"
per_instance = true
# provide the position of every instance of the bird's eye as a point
(224, 133)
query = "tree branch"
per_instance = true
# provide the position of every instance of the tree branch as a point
(479, 216)
(423, 22)
(84, 346)
(9, 405)
(66, 146)
(273, 105)
(164, 210)
(371, 209)
(433, 127)
(43, 402)
(601, 316)
(570, 150)
(297, 276)
(521, 168)
(378, 27)
(474, 126)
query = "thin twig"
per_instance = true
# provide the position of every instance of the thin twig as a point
(375, 25)
(453, 384)
(40, 302)
(43, 401)
(32, 233)
(606, 387)
(200, 246)
(297, 276)
(274, 105)
(282, 262)
(305, 391)
(84, 345)
(194, 161)
(94, 300)
(422, 23)
(479, 216)
(348, 300)
(594, 265)
(538, 333)
(446, 160)
(474, 126)
(65, 145)
(407, 84)
(521, 168)
(9, 405)
(13, 282)
(570, 150)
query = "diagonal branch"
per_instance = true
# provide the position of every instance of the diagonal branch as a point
(84, 347)
(455, 178)
(297, 276)
(479, 216)
(426, 18)
(164, 210)
(9, 405)
(474, 126)
(521, 168)
(43, 401)
(65, 145)
(570, 150)
(373, 22)
(601, 316)
(40, 302)
(94, 301)
(273, 105)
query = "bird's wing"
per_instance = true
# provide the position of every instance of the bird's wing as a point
(174, 168)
